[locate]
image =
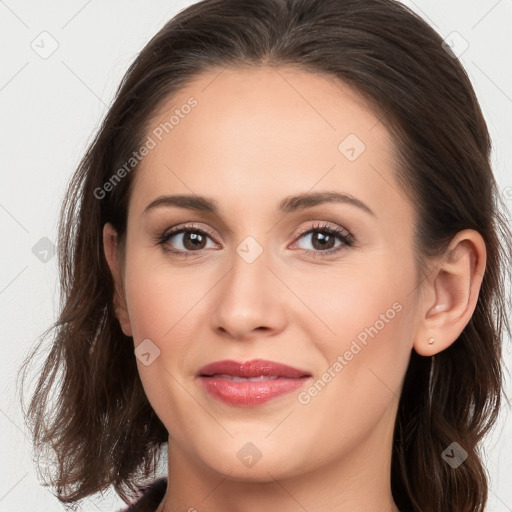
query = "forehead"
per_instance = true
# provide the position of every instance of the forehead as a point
(251, 129)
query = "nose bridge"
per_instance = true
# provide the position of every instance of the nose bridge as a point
(247, 297)
(248, 281)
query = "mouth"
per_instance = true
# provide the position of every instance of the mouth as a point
(250, 383)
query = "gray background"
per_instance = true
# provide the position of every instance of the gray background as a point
(50, 107)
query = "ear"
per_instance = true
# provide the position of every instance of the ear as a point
(113, 257)
(450, 293)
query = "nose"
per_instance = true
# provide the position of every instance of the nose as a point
(250, 300)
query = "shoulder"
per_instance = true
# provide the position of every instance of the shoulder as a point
(152, 495)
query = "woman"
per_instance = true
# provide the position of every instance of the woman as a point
(335, 342)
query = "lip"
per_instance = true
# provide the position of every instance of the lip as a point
(219, 379)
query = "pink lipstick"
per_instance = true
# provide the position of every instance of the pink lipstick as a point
(250, 383)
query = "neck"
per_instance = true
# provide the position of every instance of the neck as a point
(357, 482)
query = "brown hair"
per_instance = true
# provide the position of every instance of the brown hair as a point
(101, 428)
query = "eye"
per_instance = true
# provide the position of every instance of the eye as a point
(189, 239)
(323, 239)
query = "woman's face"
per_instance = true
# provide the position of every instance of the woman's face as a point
(251, 280)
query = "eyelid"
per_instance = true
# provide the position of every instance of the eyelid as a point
(322, 225)
(188, 226)
(161, 239)
(316, 227)
(337, 231)
(342, 233)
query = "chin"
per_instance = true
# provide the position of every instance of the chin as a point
(243, 461)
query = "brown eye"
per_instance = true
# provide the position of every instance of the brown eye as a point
(323, 240)
(185, 241)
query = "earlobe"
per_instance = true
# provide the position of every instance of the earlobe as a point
(451, 293)
(111, 249)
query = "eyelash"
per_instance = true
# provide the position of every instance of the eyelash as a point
(342, 234)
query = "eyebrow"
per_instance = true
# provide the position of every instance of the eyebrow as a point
(287, 205)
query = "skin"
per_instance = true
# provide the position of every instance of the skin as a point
(256, 137)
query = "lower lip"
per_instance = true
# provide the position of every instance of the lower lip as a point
(249, 394)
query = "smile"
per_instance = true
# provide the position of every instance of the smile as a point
(251, 383)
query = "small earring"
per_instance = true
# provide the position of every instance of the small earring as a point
(431, 341)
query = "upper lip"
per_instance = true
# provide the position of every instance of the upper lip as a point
(253, 368)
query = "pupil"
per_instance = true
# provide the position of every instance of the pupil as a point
(192, 240)
(324, 239)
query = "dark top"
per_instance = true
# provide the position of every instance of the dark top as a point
(152, 495)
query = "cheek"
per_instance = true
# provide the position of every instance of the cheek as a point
(351, 299)
(364, 361)
(362, 318)
(160, 298)
(162, 305)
